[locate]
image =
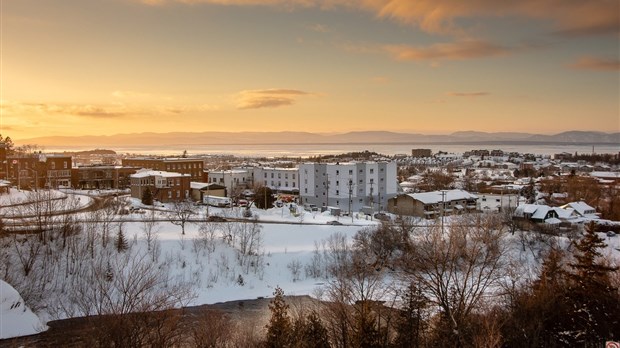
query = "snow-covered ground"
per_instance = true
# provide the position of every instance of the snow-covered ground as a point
(290, 244)
(15, 318)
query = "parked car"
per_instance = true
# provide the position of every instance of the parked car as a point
(335, 223)
(382, 216)
(216, 218)
(611, 234)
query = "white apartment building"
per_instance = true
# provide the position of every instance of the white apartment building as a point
(490, 202)
(284, 180)
(348, 186)
(234, 180)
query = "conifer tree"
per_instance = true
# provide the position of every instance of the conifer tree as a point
(121, 241)
(279, 327)
(147, 197)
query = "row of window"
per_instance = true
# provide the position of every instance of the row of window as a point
(280, 175)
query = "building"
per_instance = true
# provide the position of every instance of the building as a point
(165, 186)
(234, 180)
(418, 153)
(497, 202)
(192, 166)
(201, 189)
(101, 177)
(350, 186)
(57, 170)
(281, 180)
(431, 205)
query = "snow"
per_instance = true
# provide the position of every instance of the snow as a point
(15, 318)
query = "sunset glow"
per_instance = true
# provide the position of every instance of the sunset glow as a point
(103, 67)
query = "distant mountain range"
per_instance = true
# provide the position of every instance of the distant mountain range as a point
(369, 137)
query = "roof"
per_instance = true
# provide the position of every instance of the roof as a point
(580, 208)
(147, 173)
(436, 196)
(205, 186)
(541, 212)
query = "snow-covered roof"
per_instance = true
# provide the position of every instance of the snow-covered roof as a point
(148, 172)
(541, 212)
(203, 185)
(582, 208)
(606, 175)
(436, 196)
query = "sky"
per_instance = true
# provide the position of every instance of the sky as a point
(103, 67)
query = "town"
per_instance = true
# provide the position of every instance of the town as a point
(339, 234)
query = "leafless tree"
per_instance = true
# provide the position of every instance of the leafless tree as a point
(181, 212)
(458, 268)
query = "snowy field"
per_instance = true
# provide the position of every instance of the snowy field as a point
(218, 261)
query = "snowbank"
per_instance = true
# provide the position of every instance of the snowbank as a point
(15, 318)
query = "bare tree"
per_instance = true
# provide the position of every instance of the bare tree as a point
(456, 269)
(181, 212)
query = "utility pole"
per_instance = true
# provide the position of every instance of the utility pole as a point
(350, 201)
(443, 207)
(327, 193)
(372, 200)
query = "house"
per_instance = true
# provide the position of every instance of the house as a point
(431, 205)
(497, 202)
(165, 186)
(538, 213)
(582, 209)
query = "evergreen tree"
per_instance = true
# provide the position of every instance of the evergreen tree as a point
(309, 332)
(279, 327)
(121, 241)
(147, 197)
(263, 198)
(595, 303)
(410, 323)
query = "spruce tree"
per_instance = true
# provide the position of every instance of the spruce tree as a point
(147, 197)
(279, 327)
(121, 241)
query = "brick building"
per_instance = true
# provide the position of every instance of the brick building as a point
(165, 186)
(101, 177)
(192, 166)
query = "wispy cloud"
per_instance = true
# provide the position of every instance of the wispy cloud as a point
(469, 94)
(459, 50)
(319, 28)
(567, 17)
(81, 110)
(268, 98)
(596, 64)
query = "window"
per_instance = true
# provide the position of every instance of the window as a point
(306, 181)
(361, 181)
(381, 180)
(306, 190)
(53, 165)
(64, 165)
(293, 176)
(286, 183)
(337, 192)
(381, 170)
(337, 172)
(272, 175)
(337, 183)
(372, 181)
(265, 175)
(293, 184)
(286, 176)
(279, 175)
(351, 172)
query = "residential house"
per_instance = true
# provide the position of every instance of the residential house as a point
(431, 205)
(184, 165)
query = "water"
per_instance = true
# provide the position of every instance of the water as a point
(307, 150)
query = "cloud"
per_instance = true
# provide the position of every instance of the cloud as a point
(596, 64)
(319, 28)
(459, 50)
(566, 17)
(268, 98)
(469, 94)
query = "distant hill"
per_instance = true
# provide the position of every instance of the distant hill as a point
(368, 137)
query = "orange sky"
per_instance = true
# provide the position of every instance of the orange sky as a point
(425, 66)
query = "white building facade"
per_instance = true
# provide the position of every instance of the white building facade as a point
(234, 180)
(348, 186)
(285, 180)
